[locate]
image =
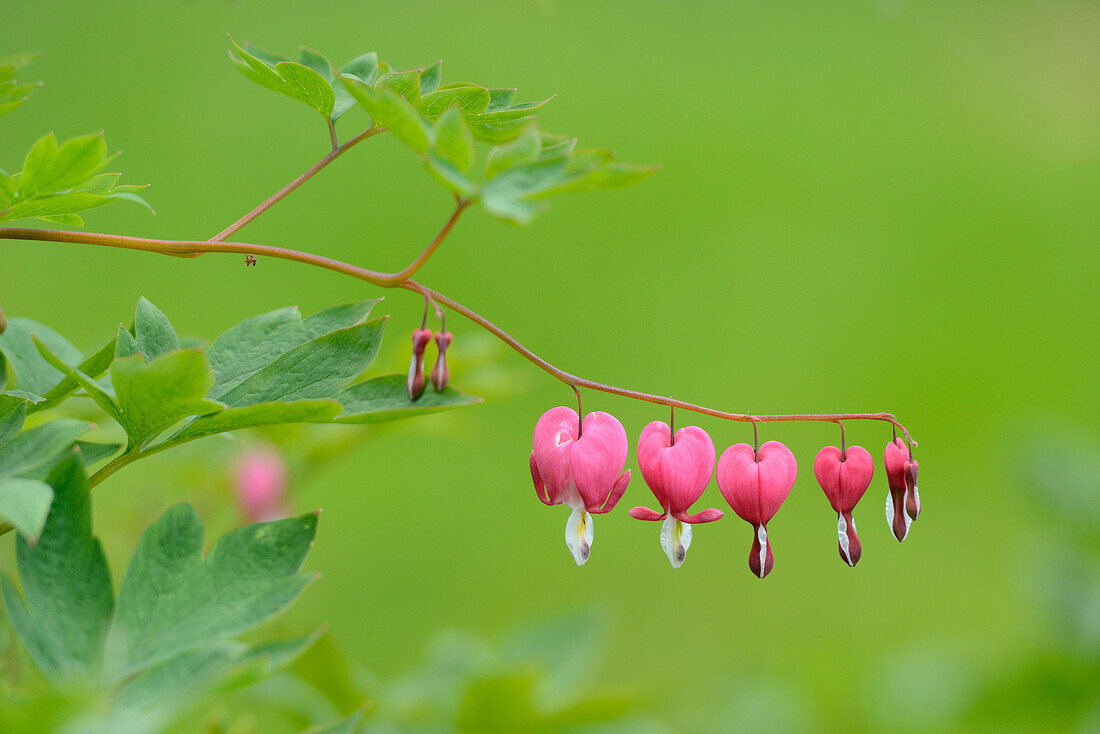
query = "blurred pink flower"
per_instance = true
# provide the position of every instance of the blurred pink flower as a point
(579, 469)
(260, 478)
(677, 473)
(756, 485)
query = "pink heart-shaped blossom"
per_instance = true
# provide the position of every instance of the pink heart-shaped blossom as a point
(676, 472)
(756, 485)
(844, 477)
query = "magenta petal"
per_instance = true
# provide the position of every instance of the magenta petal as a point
(756, 489)
(616, 494)
(597, 458)
(699, 518)
(644, 513)
(677, 473)
(540, 486)
(554, 434)
(844, 482)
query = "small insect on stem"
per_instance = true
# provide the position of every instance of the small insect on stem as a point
(249, 260)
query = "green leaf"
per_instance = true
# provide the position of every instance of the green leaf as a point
(94, 391)
(173, 600)
(612, 176)
(55, 205)
(152, 397)
(13, 411)
(294, 80)
(25, 503)
(500, 99)
(453, 142)
(67, 602)
(402, 83)
(365, 69)
(508, 195)
(125, 344)
(394, 112)
(153, 332)
(37, 450)
(33, 373)
(91, 452)
(384, 398)
(449, 176)
(431, 77)
(49, 168)
(316, 369)
(11, 94)
(524, 150)
(256, 342)
(501, 109)
(262, 414)
(500, 132)
(317, 62)
(470, 100)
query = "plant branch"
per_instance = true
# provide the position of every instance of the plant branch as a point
(336, 152)
(193, 248)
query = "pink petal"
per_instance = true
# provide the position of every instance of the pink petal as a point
(697, 519)
(554, 434)
(644, 513)
(540, 486)
(756, 489)
(844, 482)
(678, 473)
(616, 494)
(597, 458)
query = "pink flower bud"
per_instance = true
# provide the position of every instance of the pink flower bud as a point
(260, 478)
(414, 385)
(756, 486)
(903, 502)
(3, 322)
(677, 473)
(441, 374)
(580, 469)
(844, 478)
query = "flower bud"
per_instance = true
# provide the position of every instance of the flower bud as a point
(260, 479)
(441, 374)
(912, 501)
(902, 503)
(414, 385)
(3, 322)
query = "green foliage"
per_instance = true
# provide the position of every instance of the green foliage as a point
(168, 637)
(59, 181)
(270, 369)
(440, 123)
(12, 93)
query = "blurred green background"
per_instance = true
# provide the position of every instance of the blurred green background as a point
(863, 206)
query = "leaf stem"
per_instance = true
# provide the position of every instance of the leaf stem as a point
(336, 152)
(194, 248)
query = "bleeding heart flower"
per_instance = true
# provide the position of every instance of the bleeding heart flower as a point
(756, 485)
(414, 385)
(677, 472)
(260, 477)
(903, 501)
(845, 476)
(441, 373)
(579, 469)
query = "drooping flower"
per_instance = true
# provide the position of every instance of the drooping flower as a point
(755, 485)
(903, 501)
(845, 476)
(441, 373)
(580, 469)
(414, 384)
(260, 479)
(677, 471)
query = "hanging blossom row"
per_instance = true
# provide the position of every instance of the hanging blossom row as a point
(579, 463)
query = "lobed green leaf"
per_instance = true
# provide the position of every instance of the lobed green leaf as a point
(173, 600)
(62, 617)
(384, 398)
(297, 81)
(152, 397)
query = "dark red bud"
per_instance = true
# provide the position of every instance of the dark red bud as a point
(414, 385)
(3, 322)
(848, 543)
(760, 541)
(912, 500)
(441, 374)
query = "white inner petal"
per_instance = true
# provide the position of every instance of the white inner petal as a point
(578, 535)
(675, 540)
(842, 536)
(762, 536)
